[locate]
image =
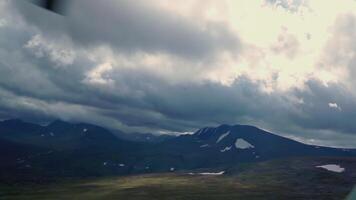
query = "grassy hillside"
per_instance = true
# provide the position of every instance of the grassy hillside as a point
(280, 179)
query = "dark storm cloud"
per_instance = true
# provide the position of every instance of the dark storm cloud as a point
(317, 114)
(131, 26)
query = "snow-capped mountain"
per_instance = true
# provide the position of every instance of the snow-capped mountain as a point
(228, 145)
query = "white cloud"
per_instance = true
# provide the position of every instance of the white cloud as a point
(284, 43)
(56, 51)
(100, 75)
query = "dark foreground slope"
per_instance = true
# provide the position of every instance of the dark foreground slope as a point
(290, 179)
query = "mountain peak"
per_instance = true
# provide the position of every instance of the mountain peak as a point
(245, 126)
(220, 128)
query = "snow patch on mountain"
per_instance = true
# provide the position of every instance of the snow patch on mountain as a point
(332, 167)
(204, 145)
(226, 149)
(243, 144)
(222, 136)
(200, 131)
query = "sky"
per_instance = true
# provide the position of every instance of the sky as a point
(172, 67)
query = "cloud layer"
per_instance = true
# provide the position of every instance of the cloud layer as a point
(285, 66)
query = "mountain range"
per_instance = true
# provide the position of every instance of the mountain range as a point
(34, 152)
